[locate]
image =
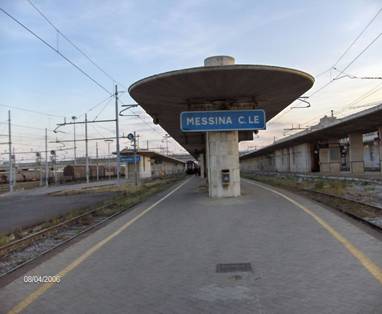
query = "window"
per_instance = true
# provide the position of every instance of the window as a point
(334, 153)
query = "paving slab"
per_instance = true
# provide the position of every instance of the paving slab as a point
(165, 260)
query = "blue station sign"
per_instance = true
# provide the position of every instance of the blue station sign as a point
(223, 120)
(130, 159)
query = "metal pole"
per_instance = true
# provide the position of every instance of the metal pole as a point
(14, 168)
(86, 149)
(74, 139)
(108, 157)
(10, 175)
(40, 161)
(135, 159)
(117, 131)
(46, 159)
(97, 161)
(54, 162)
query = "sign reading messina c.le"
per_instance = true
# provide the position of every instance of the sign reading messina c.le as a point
(130, 159)
(222, 120)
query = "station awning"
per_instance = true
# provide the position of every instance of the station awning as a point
(365, 121)
(165, 96)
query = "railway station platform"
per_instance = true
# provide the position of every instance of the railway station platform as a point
(181, 252)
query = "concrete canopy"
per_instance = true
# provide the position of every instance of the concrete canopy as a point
(151, 154)
(165, 96)
(368, 120)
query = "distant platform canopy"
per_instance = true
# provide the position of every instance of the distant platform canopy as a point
(165, 96)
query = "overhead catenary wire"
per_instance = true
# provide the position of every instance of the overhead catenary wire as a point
(347, 66)
(340, 58)
(333, 67)
(351, 105)
(44, 16)
(67, 59)
(31, 111)
(357, 38)
(57, 51)
(102, 110)
(84, 54)
(96, 105)
(144, 121)
(351, 44)
(370, 92)
(26, 126)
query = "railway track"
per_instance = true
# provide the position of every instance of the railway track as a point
(346, 211)
(74, 230)
(20, 243)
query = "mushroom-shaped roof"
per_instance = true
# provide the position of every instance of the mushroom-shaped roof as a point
(164, 96)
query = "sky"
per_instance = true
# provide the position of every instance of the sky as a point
(134, 39)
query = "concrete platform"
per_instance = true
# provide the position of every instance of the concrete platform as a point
(162, 259)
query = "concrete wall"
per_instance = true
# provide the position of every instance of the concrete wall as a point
(161, 168)
(330, 158)
(300, 158)
(294, 159)
(149, 167)
(356, 153)
(362, 156)
(144, 168)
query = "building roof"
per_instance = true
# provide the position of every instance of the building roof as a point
(151, 154)
(364, 121)
(165, 96)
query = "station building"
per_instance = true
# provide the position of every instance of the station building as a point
(348, 146)
(150, 164)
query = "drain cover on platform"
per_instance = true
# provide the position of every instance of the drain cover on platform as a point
(233, 267)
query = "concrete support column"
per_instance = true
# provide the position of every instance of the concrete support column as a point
(201, 165)
(223, 154)
(324, 160)
(356, 153)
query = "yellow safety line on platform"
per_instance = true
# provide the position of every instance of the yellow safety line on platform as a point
(43, 288)
(366, 262)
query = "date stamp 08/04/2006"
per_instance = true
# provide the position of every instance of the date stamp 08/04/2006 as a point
(42, 279)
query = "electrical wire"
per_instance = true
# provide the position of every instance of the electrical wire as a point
(31, 111)
(96, 105)
(39, 11)
(57, 51)
(351, 44)
(102, 110)
(66, 58)
(347, 66)
(340, 58)
(355, 58)
(144, 121)
(358, 37)
(26, 126)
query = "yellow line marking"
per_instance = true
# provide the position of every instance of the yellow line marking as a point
(44, 287)
(366, 262)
